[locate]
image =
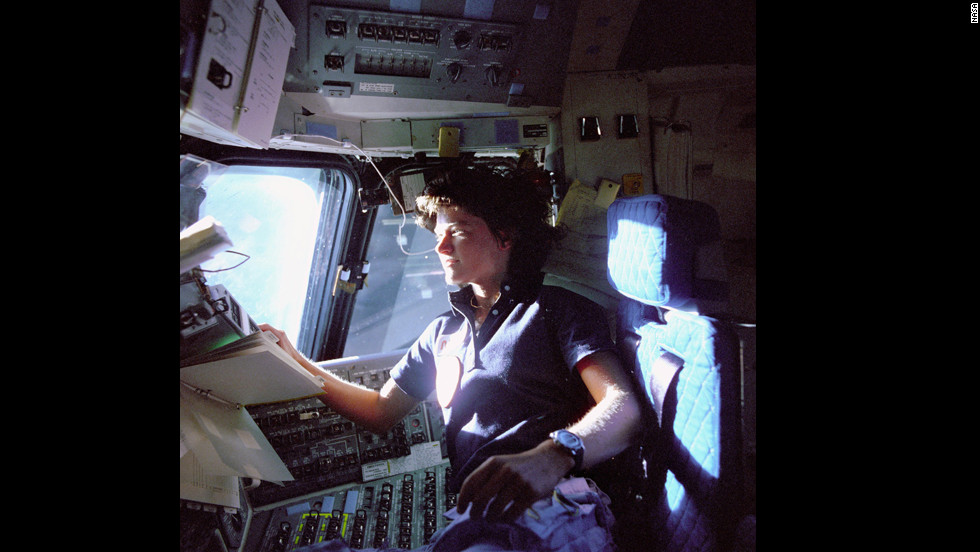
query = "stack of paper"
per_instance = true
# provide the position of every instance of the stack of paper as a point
(579, 260)
(251, 370)
(218, 445)
(219, 440)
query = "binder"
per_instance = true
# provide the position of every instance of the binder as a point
(249, 371)
(219, 440)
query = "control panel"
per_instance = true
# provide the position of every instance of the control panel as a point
(400, 511)
(376, 53)
(372, 491)
(322, 449)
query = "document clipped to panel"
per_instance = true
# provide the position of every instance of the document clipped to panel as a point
(240, 71)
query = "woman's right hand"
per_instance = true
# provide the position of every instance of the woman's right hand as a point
(284, 342)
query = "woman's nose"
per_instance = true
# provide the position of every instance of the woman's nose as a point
(444, 244)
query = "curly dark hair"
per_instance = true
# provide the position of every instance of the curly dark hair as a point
(510, 203)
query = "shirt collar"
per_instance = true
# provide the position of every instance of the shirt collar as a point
(510, 289)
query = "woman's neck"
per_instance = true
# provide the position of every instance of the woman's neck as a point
(483, 300)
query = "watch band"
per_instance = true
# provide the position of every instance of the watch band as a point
(571, 443)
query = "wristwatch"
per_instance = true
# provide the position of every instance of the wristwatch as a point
(571, 443)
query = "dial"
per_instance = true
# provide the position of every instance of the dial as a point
(462, 39)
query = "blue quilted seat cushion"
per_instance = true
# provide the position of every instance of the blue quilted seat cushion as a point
(698, 463)
(653, 243)
(704, 474)
(696, 455)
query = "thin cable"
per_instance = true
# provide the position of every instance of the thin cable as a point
(385, 181)
(400, 205)
(247, 257)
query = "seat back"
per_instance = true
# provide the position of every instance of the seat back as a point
(685, 490)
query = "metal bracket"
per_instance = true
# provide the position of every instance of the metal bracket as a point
(351, 279)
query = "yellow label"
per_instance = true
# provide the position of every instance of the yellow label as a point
(633, 184)
(448, 142)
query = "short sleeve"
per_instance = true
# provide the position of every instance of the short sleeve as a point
(415, 373)
(580, 325)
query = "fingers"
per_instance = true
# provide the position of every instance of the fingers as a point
(475, 487)
(508, 505)
(282, 339)
(280, 335)
(274, 331)
(496, 492)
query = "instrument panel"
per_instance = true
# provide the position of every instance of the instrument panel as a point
(322, 449)
(373, 53)
(513, 54)
(370, 490)
(400, 511)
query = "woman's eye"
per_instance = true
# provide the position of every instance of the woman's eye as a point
(451, 233)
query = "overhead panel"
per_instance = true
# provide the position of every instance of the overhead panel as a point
(370, 52)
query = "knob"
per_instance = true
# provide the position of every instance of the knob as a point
(454, 71)
(462, 39)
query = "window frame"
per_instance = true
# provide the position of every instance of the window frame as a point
(325, 313)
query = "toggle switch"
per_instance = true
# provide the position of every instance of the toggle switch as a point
(493, 75)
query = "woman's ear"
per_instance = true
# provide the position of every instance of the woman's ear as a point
(504, 241)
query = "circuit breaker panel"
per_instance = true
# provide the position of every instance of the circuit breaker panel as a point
(344, 51)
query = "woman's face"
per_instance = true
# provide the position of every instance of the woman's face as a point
(468, 251)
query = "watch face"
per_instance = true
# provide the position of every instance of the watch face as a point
(572, 443)
(569, 439)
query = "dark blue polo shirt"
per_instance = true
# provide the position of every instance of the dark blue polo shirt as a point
(517, 377)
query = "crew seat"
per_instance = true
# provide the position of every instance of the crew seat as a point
(680, 488)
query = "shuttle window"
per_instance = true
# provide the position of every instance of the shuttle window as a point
(403, 292)
(282, 222)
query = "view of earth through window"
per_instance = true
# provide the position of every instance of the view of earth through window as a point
(275, 216)
(403, 292)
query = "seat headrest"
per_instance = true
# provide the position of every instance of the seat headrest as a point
(666, 251)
